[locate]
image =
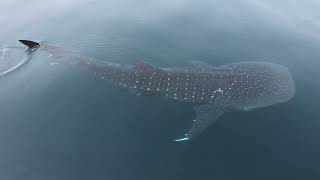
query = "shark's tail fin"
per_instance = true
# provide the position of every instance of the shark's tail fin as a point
(30, 44)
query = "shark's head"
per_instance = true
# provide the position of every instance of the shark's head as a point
(282, 88)
(273, 85)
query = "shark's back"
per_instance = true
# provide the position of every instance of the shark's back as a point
(238, 86)
(216, 90)
(212, 90)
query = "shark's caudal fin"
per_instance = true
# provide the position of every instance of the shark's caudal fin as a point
(30, 44)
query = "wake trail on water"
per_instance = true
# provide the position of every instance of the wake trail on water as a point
(12, 58)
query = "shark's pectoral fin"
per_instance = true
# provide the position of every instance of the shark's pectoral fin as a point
(206, 115)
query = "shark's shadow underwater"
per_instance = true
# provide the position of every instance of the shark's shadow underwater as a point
(212, 90)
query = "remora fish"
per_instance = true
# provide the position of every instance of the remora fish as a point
(213, 90)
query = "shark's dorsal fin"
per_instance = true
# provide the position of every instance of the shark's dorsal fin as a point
(199, 65)
(144, 67)
(206, 115)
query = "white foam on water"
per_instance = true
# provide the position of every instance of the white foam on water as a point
(21, 63)
(12, 58)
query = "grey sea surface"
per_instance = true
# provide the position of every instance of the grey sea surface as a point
(58, 121)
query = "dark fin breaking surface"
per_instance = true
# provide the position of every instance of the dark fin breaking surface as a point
(30, 44)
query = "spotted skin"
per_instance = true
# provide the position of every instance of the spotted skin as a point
(212, 90)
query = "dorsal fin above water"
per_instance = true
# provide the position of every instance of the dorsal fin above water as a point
(30, 44)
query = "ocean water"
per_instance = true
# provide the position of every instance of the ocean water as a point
(60, 122)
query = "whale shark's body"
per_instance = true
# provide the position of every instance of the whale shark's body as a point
(212, 90)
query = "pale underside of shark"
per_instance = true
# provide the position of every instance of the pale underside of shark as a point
(212, 91)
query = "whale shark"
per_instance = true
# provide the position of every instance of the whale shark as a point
(212, 90)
